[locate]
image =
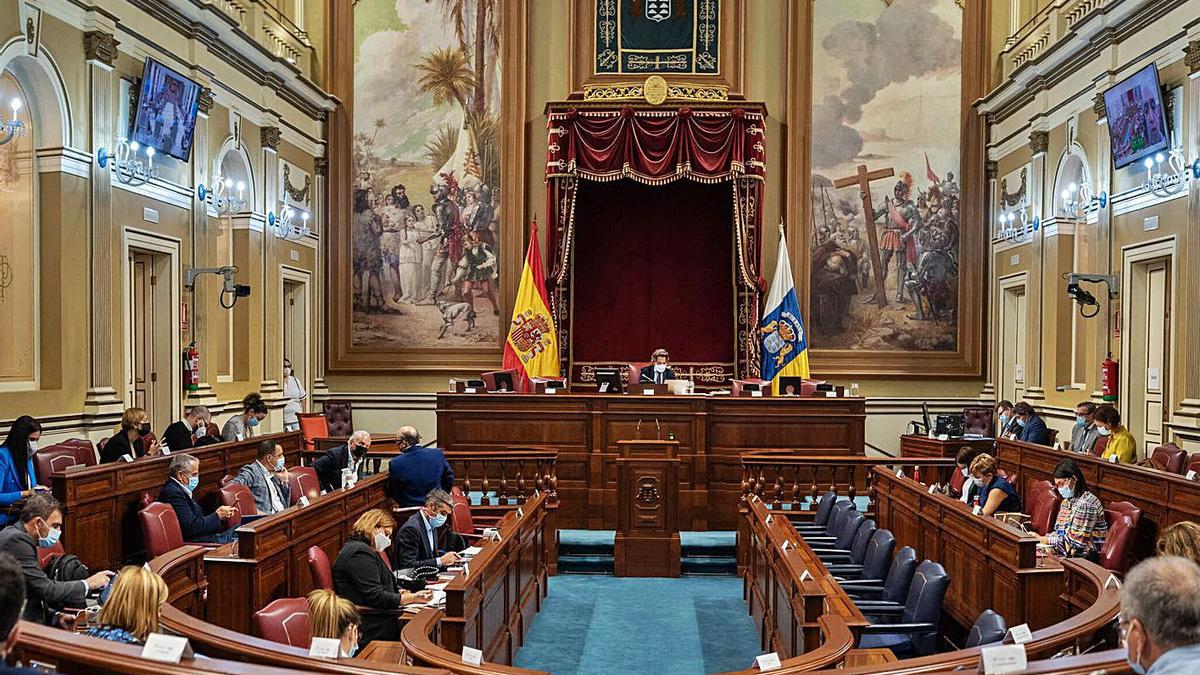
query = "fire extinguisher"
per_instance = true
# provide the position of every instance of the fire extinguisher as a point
(191, 367)
(1108, 379)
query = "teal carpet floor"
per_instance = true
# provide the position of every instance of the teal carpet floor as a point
(592, 625)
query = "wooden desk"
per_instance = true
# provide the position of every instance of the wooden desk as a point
(912, 445)
(712, 433)
(101, 503)
(991, 565)
(1164, 498)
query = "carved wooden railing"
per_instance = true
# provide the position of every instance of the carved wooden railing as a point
(506, 477)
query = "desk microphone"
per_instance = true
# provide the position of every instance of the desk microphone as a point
(657, 430)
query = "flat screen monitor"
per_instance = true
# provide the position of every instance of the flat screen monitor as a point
(791, 386)
(504, 381)
(166, 111)
(608, 380)
(1137, 121)
(925, 415)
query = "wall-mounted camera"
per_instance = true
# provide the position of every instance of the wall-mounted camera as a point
(230, 289)
(1083, 297)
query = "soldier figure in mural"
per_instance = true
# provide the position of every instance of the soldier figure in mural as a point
(480, 222)
(449, 238)
(477, 272)
(902, 221)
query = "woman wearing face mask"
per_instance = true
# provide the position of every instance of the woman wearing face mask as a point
(294, 392)
(334, 617)
(961, 485)
(996, 494)
(17, 478)
(130, 440)
(362, 575)
(243, 426)
(1121, 443)
(1080, 529)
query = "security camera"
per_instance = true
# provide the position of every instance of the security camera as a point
(1084, 298)
(233, 290)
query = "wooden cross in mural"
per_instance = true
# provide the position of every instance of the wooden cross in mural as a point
(863, 179)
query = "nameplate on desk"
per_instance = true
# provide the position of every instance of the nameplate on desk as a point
(768, 662)
(469, 390)
(127, 457)
(1021, 634)
(551, 391)
(603, 387)
(784, 546)
(1003, 659)
(1112, 582)
(977, 510)
(1113, 459)
(325, 648)
(165, 450)
(466, 570)
(757, 393)
(520, 513)
(472, 656)
(647, 392)
(932, 488)
(805, 576)
(943, 437)
(1191, 475)
(303, 501)
(166, 648)
(899, 473)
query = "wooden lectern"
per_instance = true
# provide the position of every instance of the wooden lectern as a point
(647, 509)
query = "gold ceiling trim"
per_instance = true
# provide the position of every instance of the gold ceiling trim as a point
(651, 91)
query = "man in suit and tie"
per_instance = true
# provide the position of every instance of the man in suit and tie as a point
(659, 370)
(194, 524)
(182, 435)
(416, 470)
(266, 478)
(329, 466)
(417, 540)
(1033, 427)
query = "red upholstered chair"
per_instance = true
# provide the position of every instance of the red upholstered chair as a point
(1193, 463)
(492, 383)
(160, 529)
(225, 480)
(54, 459)
(957, 480)
(45, 555)
(236, 494)
(1043, 503)
(1052, 436)
(634, 372)
(1170, 456)
(461, 521)
(1100, 445)
(100, 445)
(286, 621)
(302, 481)
(339, 417)
(147, 441)
(85, 452)
(978, 421)
(312, 425)
(319, 567)
(1115, 554)
(213, 430)
(146, 499)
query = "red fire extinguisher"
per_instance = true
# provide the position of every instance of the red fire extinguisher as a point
(191, 368)
(1108, 379)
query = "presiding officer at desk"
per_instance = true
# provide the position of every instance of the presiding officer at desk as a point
(659, 371)
(361, 575)
(996, 494)
(329, 466)
(416, 544)
(266, 479)
(416, 470)
(184, 478)
(1160, 616)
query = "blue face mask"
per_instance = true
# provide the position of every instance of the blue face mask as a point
(438, 520)
(253, 421)
(51, 538)
(352, 651)
(279, 464)
(1080, 422)
(1066, 491)
(1020, 422)
(1003, 420)
(193, 483)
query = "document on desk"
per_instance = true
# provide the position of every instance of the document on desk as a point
(470, 551)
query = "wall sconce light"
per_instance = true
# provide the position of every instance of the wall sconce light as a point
(222, 200)
(13, 127)
(1167, 175)
(286, 225)
(127, 166)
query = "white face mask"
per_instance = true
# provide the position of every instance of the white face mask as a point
(660, 367)
(287, 370)
(32, 447)
(966, 473)
(1103, 431)
(382, 541)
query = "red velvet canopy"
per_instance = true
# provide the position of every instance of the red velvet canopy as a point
(711, 144)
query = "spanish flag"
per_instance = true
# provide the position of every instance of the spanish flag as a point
(784, 342)
(532, 345)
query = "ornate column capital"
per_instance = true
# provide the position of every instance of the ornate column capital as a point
(100, 46)
(991, 169)
(270, 137)
(1039, 142)
(205, 100)
(321, 166)
(1098, 105)
(1191, 57)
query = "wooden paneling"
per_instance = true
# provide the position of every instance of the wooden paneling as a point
(912, 445)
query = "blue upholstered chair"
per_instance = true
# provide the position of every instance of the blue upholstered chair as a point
(837, 521)
(844, 542)
(910, 629)
(821, 518)
(989, 628)
(858, 548)
(875, 562)
(894, 586)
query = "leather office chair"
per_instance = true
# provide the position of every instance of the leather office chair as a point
(54, 459)
(743, 387)
(895, 583)
(1099, 446)
(1012, 479)
(978, 420)
(835, 508)
(989, 628)
(160, 529)
(824, 508)
(837, 520)
(319, 567)
(1170, 456)
(225, 480)
(1116, 553)
(47, 554)
(302, 481)
(1043, 503)
(875, 562)
(853, 554)
(236, 494)
(312, 426)
(285, 621)
(492, 383)
(85, 452)
(915, 628)
(461, 522)
(957, 480)
(1052, 436)
(1193, 463)
(339, 417)
(840, 544)
(634, 372)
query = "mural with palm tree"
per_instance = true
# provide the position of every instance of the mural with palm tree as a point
(426, 153)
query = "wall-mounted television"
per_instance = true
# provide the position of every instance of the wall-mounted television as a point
(166, 111)
(1137, 122)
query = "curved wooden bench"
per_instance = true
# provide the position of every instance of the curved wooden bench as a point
(423, 650)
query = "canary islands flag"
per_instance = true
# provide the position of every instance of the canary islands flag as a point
(784, 342)
(532, 345)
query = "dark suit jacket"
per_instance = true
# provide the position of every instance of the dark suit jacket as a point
(414, 473)
(1035, 431)
(193, 524)
(412, 545)
(329, 467)
(178, 437)
(119, 445)
(44, 596)
(361, 576)
(648, 375)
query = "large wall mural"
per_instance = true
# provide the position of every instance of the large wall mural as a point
(426, 173)
(887, 80)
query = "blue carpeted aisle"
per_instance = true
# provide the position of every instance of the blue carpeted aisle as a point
(601, 624)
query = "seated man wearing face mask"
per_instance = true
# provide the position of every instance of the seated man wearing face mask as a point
(329, 466)
(659, 371)
(1160, 616)
(188, 432)
(267, 480)
(418, 543)
(194, 524)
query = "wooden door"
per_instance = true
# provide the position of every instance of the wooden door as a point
(1012, 343)
(1149, 352)
(295, 332)
(143, 376)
